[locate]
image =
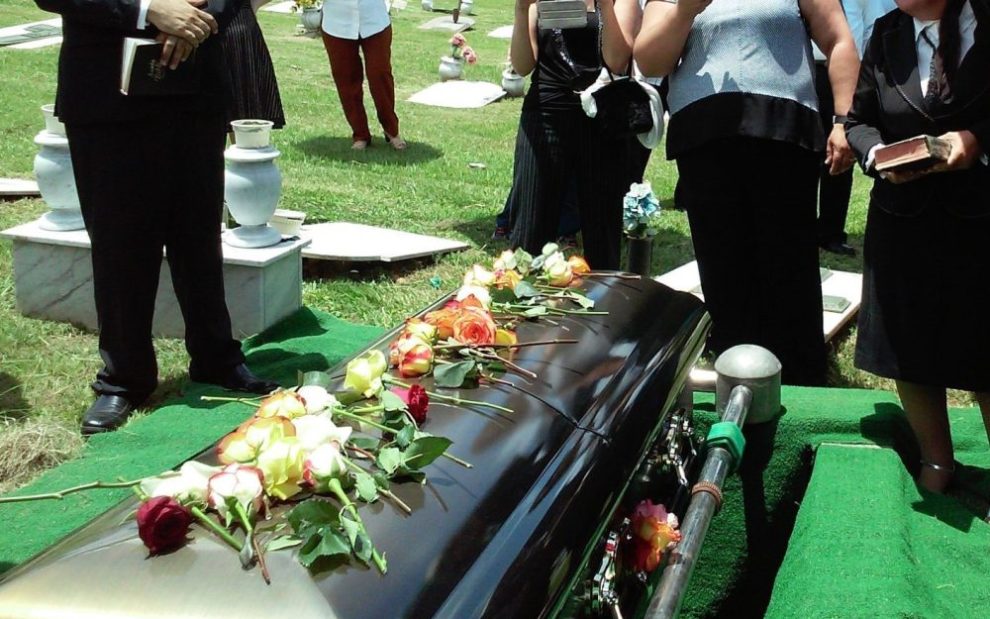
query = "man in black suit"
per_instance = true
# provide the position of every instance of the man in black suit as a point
(149, 172)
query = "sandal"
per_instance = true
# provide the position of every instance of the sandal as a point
(396, 142)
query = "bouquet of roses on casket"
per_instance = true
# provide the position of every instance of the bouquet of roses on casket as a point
(325, 447)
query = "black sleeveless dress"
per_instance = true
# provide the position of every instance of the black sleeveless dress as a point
(559, 149)
(253, 87)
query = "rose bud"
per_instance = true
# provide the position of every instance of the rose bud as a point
(187, 485)
(163, 524)
(364, 373)
(282, 466)
(317, 398)
(235, 448)
(243, 483)
(323, 464)
(417, 401)
(579, 266)
(479, 276)
(549, 249)
(316, 430)
(286, 404)
(506, 261)
(507, 279)
(244, 444)
(506, 337)
(474, 326)
(421, 329)
(559, 273)
(413, 356)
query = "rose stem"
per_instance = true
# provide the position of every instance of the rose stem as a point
(61, 493)
(363, 452)
(334, 486)
(217, 398)
(512, 366)
(367, 409)
(347, 415)
(223, 533)
(447, 398)
(517, 345)
(463, 463)
(258, 552)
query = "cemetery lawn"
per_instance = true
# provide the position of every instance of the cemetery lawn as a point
(45, 367)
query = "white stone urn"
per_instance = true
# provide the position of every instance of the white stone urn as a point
(467, 7)
(427, 5)
(451, 68)
(252, 133)
(252, 186)
(312, 19)
(512, 83)
(56, 181)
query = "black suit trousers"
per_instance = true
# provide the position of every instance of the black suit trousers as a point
(833, 191)
(751, 206)
(145, 186)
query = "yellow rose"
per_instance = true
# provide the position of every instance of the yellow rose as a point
(282, 465)
(364, 373)
(288, 404)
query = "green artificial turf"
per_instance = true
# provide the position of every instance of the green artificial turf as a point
(307, 340)
(868, 543)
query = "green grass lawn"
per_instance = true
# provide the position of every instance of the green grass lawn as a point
(45, 367)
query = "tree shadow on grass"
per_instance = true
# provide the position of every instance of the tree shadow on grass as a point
(339, 149)
(12, 402)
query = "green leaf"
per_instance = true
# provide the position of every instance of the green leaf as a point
(424, 450)
(313, 512)
(453, 374)
(581, 300)
(329, 542)
(392, 402)
(380, 480)
(538, 310)
(320, 379)
(363, 442)
(395, 420)
(405, 436)
(349, 397)
(360, 542)
(389, 459)
(282, 542)
(367, 490)
(525, 290)
(503, 295)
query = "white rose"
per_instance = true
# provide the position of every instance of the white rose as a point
(314, 431)
(187, 485)
(482, 294)
(243, 483)
(317, 398)
(324, 463)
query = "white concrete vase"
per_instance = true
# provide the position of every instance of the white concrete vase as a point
(427, 5)
(512, 83)
(252, 186)
(252, 133)
(312, 20)
(56, 181)
(451, 68)
(467, 7)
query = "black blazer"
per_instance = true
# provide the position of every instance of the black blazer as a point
(889, 106)
(90, 58)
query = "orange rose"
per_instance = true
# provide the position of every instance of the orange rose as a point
(579, 266)
(420, 328)
(412, 355)
(474, 326)
(443, 320)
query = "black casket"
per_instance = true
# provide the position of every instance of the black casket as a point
(505, 538)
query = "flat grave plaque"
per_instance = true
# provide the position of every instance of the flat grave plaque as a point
(447, 24)
(458, 94)
(32, 35)
(349, 242)
(841, 292)
(15, 188)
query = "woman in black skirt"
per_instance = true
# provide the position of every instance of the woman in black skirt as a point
(925, 319)
(253, 88)
(558, 145)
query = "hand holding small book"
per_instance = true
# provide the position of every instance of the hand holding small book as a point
(174, 50)
(964, 151)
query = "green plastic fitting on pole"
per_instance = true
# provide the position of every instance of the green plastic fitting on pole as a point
(728, 436)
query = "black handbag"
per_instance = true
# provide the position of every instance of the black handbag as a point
(623, 108)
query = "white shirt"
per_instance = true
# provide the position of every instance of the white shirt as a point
(354, 19)
(967, 35)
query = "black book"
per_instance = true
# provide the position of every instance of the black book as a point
(142, 74)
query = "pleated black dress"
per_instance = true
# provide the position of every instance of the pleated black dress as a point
(254, 89)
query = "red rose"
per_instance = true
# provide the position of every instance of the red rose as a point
(419, 402)
(163, 524)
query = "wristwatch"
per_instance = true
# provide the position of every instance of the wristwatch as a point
(839, 119)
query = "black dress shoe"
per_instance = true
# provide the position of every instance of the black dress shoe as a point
(236, 378)
(838, 247)
(106, 414)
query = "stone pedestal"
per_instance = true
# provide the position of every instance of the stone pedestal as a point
(53, 280)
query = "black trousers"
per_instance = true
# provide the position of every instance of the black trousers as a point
(833, 191)
(751, 206)
(553, 151)
(144, 187)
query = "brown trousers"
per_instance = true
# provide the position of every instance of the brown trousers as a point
(345, 66)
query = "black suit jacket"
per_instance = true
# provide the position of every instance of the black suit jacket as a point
(889, 106)
(91, 54)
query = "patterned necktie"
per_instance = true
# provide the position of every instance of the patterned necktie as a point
(931, 96)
